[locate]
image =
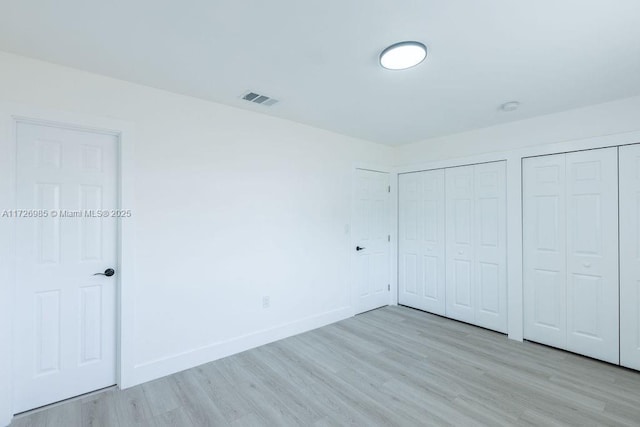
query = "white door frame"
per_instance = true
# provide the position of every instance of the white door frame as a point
(10, 115)
(393, 203)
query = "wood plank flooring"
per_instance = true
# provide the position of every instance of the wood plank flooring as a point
(392, 366)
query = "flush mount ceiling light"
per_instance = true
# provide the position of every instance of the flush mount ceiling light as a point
(403, 55)
(510, 106)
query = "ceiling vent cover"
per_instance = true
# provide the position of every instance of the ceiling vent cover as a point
(257, 98)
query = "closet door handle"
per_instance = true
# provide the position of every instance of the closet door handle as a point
(358, 248)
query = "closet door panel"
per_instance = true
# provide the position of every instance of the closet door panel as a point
(544, 249)
(460, 226)
(630, 256)
(490, 278)
(422, 247)
(433, 257)
(592, 253)
(410, 191)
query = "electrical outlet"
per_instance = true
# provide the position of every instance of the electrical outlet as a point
(266, 302)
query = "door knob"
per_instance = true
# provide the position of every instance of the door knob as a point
(108, 272)
(358, 248)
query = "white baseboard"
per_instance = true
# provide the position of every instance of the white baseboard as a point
(179, 362)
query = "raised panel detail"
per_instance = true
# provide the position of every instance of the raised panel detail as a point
(587, 171)
(378, 268)
(430, 221)
(431, 277)
(462, 281)
(488, 211)
(547, 223)
(587, 225)
(587, 294)
(462, 221)
(488, 179)
(47, 315)
(90, 228)
(489, 288)
(411, 220)
(379, 229)
(49, 154)
(365, 220)
(462, 182)
(90, 324)
(546, 287)
(410, 186)
(91, 158)
(363, 274)
(547, 174)
(411, 274)
(48, 229)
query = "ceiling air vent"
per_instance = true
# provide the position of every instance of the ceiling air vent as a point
(256, 98)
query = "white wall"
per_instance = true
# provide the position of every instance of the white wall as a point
(230, 206)
(583, 123)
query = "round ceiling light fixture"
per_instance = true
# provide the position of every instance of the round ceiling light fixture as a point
(510, 106)
(403, 55)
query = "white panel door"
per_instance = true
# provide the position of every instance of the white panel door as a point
(630, 256)
(371, 239)
(490, 249)
(570, 248)
(460, 225)
(592, 253)
(65, 324)
(544, 249)
(421, 251)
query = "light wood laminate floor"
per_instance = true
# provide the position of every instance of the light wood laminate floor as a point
(392, 366)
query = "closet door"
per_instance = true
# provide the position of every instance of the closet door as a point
(570, 248)
(592, 253)
(490, 266)
(460, 243)
(630, 256)
(421, 245)
(544, 249)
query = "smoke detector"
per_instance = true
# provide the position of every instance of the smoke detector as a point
(258, 98)
(510, 106)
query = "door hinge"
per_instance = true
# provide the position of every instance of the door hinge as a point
(389, 287)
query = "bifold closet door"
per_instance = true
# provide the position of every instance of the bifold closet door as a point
(490, 271)
(592, 254)
(421, 243)
(544, 221)
(459, 249)
(630, 256)
(570, 225)
(476, 290)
